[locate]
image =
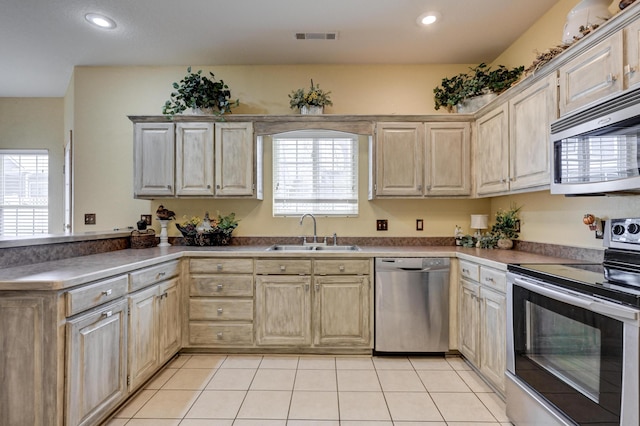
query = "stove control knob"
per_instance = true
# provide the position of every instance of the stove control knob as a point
(633, 228)
(618, 229)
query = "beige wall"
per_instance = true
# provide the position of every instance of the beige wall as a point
(100, 98)
(37, 123)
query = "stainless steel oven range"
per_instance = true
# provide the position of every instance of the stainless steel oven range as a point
(573, 337)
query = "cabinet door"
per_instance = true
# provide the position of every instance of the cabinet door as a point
(234, 159)
(592, 75)
(492, 151)
(169, 319)
(632, 55)
(153, 159)
(96, 363)
(531, 113)
(283, 310)
(469, 320)
(493, 342)
(143, 335)
(399, 159)
(448, 159)
(194, 159)
(341, 311)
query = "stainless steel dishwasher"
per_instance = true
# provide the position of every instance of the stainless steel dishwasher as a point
(411, 305)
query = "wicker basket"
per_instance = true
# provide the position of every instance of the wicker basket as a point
(143, 239)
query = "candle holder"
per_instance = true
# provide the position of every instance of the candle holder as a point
(164, 237)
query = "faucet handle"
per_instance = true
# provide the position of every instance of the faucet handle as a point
(335, 239)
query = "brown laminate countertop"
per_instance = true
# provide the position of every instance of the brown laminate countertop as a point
(63, 274)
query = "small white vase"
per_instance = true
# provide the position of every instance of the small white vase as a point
(311, 110)
(585, 14)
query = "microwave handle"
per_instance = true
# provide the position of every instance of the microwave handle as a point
(619, 312)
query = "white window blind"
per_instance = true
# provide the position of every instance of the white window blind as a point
(315, 172)
(24, 192)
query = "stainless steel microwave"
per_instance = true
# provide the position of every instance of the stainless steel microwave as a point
(596, 151)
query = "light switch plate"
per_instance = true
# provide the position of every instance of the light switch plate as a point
(419, 225)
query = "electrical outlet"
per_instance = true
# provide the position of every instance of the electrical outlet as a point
(89, 218)
(419, 225)
(382, 224)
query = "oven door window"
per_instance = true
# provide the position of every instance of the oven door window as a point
(569, 355)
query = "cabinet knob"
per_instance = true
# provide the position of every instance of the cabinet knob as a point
(219, 266)
(107, 292)
(283, 268)
(341, 267)
(219, 310)
(107, 314)
(208, 186)
(317, 287)
(306, 287)
(217, 186)
(169, 187)
(219, 287)
(611, 78)
(219, 335)
(164, 295)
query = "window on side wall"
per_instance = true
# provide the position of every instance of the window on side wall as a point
(315, 172)
(24, 192)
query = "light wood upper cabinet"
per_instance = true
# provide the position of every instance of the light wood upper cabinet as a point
(399, 150)
(416, 159)
(194, 159)
(530, 115)
(631, 35)
(492, 151)
(153, 157)
(447, 161)
(234, 159)
(96, 363)
(592, 75)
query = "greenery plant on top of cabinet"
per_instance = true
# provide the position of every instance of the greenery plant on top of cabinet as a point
(481, 80)
(199, 92)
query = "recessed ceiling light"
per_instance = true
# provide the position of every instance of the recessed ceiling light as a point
(428, 18)
(100, 21)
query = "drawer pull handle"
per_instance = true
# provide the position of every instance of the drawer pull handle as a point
(219, 287)
(219, 266)
(489, 279)
(283, 268)
(160, 275)
(219, 310)
(220, 335)
(107, 314)
(107, 292)
(306, 287)
(466, 271)
(164, 295)
(341, 267)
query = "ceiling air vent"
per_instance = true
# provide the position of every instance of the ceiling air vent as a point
(317, 36)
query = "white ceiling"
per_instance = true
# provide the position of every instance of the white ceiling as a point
(42, 40)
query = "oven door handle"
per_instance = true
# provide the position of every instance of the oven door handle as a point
(619, 312)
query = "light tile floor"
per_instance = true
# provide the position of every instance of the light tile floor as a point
(269, 390)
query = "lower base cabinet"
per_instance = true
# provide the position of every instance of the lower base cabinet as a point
(96, 363)
(482, 321)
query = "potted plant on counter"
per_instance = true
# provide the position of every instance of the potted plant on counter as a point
(507, 227)
(467, 92)
(200, 94)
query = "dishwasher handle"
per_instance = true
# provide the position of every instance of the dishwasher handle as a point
(412, 264)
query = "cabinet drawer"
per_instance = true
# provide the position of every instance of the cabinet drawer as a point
(283, 267)
(95, 294)
(342, 267)
(493, 278)
(220, 309)
(219, 285)
(154, 274)
(212, 265)
(214, 334)
(469, 270)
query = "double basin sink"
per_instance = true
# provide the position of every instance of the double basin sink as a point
(305, 248)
